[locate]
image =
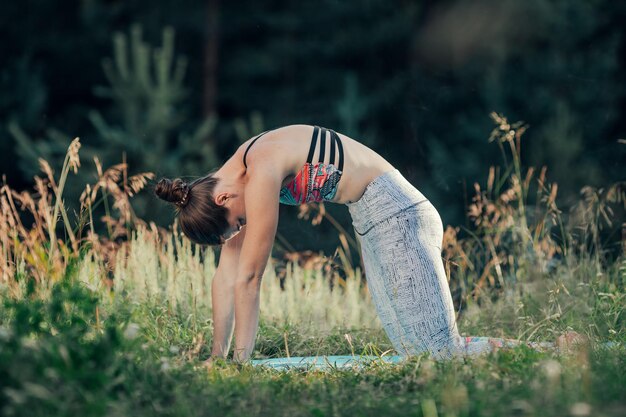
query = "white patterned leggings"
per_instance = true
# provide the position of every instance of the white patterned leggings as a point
(400, 233)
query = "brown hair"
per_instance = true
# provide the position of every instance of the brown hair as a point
(201, 220)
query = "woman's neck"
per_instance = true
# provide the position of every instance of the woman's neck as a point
(231, 179)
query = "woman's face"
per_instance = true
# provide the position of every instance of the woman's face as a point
(236, 216)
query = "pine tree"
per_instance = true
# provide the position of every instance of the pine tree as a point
(146, 87)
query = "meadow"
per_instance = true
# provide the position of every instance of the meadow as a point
(119, 323)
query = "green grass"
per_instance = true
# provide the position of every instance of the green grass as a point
(57, 357)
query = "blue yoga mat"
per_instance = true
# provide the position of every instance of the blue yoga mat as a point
(347, 361)
(324, 362)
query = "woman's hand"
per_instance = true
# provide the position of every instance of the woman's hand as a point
(208, 364)
(212, 361)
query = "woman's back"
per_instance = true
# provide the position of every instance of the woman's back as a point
(291, 147)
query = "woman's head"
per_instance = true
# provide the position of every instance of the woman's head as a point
(205, 216)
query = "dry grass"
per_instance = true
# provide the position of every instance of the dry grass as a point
(510, 242)
(36, 250)
(146, 263)
(179, 273)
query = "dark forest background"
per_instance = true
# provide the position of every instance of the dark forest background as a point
(178, 85)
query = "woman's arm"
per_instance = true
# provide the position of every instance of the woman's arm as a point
(223, 295)
(261, 201)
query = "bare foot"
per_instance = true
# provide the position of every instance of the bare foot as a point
(570, 342)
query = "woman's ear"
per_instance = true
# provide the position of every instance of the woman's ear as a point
(221, 198)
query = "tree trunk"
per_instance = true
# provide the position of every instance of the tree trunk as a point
(211, 50)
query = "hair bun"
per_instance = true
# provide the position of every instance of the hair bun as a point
(176, 191)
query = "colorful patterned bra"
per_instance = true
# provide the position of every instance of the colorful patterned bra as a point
(315, 182)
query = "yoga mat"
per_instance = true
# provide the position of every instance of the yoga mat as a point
(324, 362)
(347, 361)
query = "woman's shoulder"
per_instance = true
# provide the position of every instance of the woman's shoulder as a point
(267, 135)
(284, 138)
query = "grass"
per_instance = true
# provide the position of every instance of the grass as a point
(58, 357)
(119, 324)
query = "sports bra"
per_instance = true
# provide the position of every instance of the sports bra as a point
(315, 182)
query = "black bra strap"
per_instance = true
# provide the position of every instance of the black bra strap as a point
(322, 144)
(309, 158)
(248, 148)
(334, 138)
(332, 149)
(339, 148)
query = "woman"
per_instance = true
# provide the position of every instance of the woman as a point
(399, 230)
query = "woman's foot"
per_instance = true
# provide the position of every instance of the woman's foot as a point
(570, 342)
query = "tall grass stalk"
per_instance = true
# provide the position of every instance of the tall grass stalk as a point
(179, 273)
(71, 161)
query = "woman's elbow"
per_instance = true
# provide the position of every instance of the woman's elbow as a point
(251, 279)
